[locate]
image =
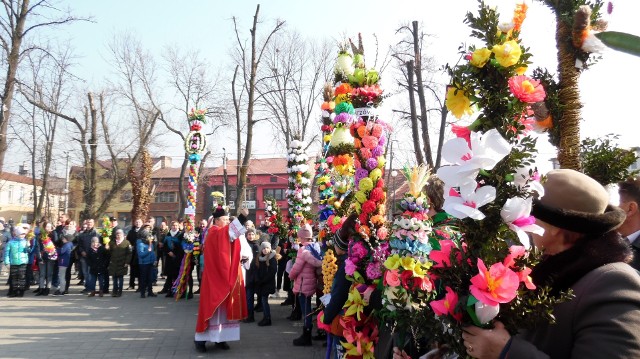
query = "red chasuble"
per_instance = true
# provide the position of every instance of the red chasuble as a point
(222, 282)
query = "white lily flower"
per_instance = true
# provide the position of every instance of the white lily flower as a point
(522, 179)
(470, 199)
(516, 213)
(485, 312)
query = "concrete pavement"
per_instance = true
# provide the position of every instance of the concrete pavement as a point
(76, 326)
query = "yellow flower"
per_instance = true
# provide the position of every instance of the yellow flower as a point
(354, 352)
(355, 304)
(480, 57)
(508, 53)
(392, 262)
(458, 104)
(341, 98)
(420, 270)
(521, 70)
(408, 263)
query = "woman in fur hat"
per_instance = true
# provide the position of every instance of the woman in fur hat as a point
(584, 253)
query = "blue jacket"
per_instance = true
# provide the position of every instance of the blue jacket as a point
(17, 252)
(64, 254)
(145, 256)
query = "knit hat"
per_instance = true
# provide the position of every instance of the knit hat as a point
(578, 203)
(341, 238)
(264, 245)
(17, 231)
(219, 212)
(305, 232)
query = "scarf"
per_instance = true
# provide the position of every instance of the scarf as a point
(173, 234)
(266, 258)
(119, 241)
(563, 269)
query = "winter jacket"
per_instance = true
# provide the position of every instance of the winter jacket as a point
(16, 252)
(120, 257)
(303, 272)
(41, 254)
(252, 273)
(64, 254)
(146, 256)
(266, 274)
(84, 240)
(97, 260)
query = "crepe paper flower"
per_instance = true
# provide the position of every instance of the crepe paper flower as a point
(344, 107)
(507, 54)
(368, 207)
(498, 284)
(373, 270)
(405, 278)
(370, 142)
(457, 102)
(377, 151)
(447, 305)
(521, 70)
(516, 213)
(393, 262)
(485, 152)
(357, 252)
(365, 184)
(408, 263)
(480, 57)
(355, 303)
(519, 14)
(525, 277)
(382, 233)
(381, 161)
(515, 252)
(462, 132)
(343, 88)
(591, 43)
(377, 131)
(526, 89)
(349, 267)
(375, 175)
(365, 153)
(442, 257)
(469, 200)
(372, 163)
(485, 312)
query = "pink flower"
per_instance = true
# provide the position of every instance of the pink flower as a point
(526, 89)
(524, 276)
(382, 233)
(442, 257)
(391, 278)
(515, 252)
(423, 284)
(365, 153)
(370, 142)
(357, 252)
(447, 305)
(462, 132)
(349, 267)
(499, 284)
(373, 270)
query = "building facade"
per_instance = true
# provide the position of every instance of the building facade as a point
(17, 198)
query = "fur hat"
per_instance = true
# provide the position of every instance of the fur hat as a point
(219, 212)
(18, 230)
(305, 232)
(576, 202)
(264, 245)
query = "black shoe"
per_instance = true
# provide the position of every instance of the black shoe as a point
(66, 292)
(106, 292)
(40, 292)
(37, 291)
(200, 346)
(12, 294)
(295, 316)
(20, 293)
(142, 295)
(151, 294)
(80, 282)
(249, 319)
(197, 291)
(138, 290)
(131, 287)
(163, 291)
(57, 292)
(322, 335)
(287, 302)
(265, 322)
(46, 292)
(85, 291)
(223, 346)
(304, 340)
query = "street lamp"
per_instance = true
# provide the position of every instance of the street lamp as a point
(394, 174)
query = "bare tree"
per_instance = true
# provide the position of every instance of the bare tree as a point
(248, 60)
(413, 65)
(195, 88)
(19, 19)
(291, 83)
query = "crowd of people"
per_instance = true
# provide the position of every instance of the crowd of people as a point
(589, 246)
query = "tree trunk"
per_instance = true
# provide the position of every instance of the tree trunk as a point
(443, 123)
(91, 171)
(415, 131)
(423, 103)
(569, 96)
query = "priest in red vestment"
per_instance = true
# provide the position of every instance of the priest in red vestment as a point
(223, 301)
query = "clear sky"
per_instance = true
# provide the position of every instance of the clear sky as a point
(608, 89)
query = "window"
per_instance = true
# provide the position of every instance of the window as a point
(10, 190)
(166, 197)
(22, 195)
(273, 179)
(277, 193)
(250, 193)
(126, 196)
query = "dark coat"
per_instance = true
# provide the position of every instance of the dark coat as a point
(635, 246)
(252, 273)
(266, 275)
(120, 257)
(97, 260)
(339, 292)
(84, 240)
(603, 320)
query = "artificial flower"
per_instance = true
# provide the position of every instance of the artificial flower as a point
(365, 184)
(469, 201)
(447, 305)
(519, 14)
(393, 262)
(516, 213)
(523, 179)
(524, 276)
(457, 102)
(526, 89)
(498, 284)
(349, 267)
(442, 257)
(373, 270)
(507, 54)
(485, 312)
(480, 57)
(462, 132)
(355, 303)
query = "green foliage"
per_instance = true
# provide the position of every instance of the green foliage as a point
(605, 162)
(552, 101)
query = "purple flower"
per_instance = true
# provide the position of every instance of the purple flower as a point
(361, 173)
(382, 141)
(349, 267)
(357, 252)
(378, 151)
(343, 118)
(372, 163)
(373, 271)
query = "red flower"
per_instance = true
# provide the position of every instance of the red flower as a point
(364, 218)
(196, 126)
(423, 284)
(376, 194)
(380, 183)
(368, 207)
(405, 278)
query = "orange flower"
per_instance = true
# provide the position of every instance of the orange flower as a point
(377, 220)
(362, 131)
(519, 15)
(547, 123)
(357, 143)
(365, 230)
(344, 88)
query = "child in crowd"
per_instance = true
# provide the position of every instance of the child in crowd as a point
(64, 259)
(266, 280)
(304, 276)
(96, 260)
(16, 256)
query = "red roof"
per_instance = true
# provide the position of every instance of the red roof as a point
(12, 177)
(257, 166)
